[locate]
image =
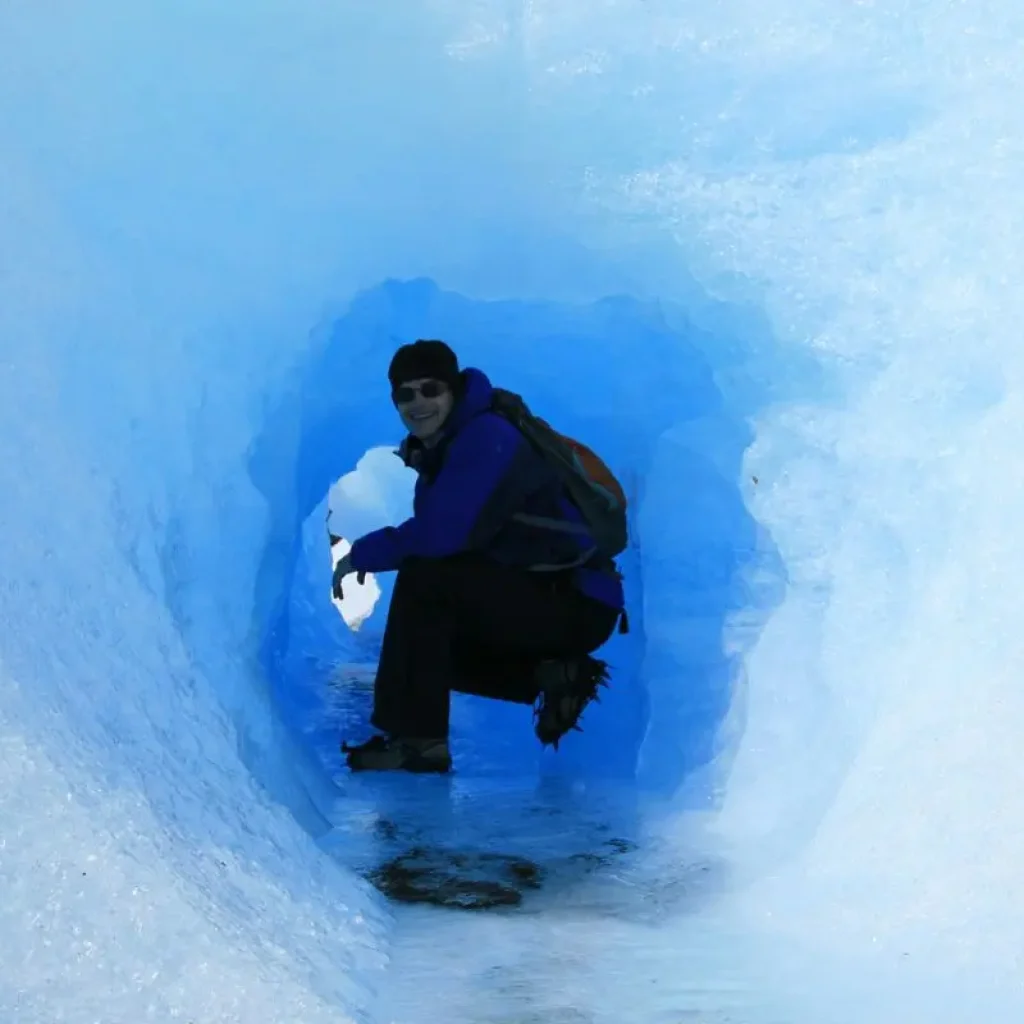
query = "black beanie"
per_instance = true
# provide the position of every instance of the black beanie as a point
(425, 358)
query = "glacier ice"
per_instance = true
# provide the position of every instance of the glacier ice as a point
(762, 254)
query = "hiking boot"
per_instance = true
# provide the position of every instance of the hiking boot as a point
(393, 754)
(567, 686)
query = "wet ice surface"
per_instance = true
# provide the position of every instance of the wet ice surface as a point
(623, 910)
(578, 966)
(563, 826)
(595, 890)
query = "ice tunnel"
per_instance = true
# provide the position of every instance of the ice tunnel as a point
(761, 256)
(662, 719)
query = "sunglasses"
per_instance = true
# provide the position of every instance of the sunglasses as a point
(428, 389)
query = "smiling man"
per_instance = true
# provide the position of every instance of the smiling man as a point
(502, 590)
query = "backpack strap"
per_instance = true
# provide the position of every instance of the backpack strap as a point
(576, 563)
(559, 526)
(550, 523)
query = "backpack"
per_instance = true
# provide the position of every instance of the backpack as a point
(588, 481)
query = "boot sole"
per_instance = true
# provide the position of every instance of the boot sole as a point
(415, 765)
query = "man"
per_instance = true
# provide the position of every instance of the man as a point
(479, 605)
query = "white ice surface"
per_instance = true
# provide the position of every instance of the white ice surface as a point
(190, 198)
(358, 599)
(376, 493)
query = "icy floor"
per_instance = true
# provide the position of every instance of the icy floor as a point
(638, 914)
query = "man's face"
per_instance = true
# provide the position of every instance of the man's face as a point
(424, 405)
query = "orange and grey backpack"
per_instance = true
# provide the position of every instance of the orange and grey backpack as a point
(589, 483)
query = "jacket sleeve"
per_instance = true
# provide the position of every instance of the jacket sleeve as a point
(474, 465)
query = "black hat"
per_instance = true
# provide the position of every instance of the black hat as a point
(424, 358)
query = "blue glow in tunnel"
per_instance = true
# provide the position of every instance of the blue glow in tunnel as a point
(576, 364)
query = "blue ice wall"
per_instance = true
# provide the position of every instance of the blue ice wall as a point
(802, 220)
(578, 365)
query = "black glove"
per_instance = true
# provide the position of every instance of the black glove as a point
(341, 570)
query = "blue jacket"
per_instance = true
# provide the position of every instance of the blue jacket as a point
(481, 473)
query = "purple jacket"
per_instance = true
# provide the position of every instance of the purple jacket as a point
(481, 473)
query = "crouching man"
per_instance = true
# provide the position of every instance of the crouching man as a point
(501, 590)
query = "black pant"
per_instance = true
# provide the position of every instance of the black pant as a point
(471, 625)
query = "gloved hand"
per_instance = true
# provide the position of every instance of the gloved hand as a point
(341, 570)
